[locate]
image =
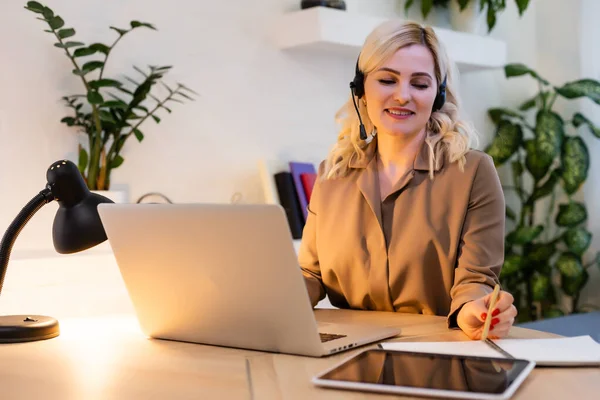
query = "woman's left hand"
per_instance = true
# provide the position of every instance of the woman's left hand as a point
(472, 315)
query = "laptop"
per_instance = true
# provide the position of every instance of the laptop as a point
(224, 275)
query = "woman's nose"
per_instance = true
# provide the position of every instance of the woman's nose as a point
(402, 94)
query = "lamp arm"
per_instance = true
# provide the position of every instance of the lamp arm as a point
(8, 240)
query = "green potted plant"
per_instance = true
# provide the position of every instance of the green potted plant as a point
(464, 14)
(108, 112)
(549, 161)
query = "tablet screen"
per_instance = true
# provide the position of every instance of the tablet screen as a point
(430, 371)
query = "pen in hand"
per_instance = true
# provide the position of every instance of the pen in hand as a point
(488, 318)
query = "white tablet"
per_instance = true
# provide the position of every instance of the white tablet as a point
(425, 374)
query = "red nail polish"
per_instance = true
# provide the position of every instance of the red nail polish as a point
(495, 321)
(483, 315)
(496, 312)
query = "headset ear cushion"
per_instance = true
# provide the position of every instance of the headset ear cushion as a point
(440, 98)
(439, 101)
(359, 84)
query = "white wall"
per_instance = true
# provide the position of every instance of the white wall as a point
(589, 33)
(255, 100)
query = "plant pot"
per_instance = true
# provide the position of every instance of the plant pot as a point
(470, 20)
(339, 4)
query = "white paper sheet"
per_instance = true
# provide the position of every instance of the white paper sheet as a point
(570, 351)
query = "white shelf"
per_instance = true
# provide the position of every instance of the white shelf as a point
(331, 30)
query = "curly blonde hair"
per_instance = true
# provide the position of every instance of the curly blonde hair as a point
(381, 44)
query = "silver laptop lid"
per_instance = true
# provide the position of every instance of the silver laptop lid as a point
(218, 274)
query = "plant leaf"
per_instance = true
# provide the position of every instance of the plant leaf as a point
(547, 187)
(102, 48)
(125, 90)
(572, 285)
(104, 83)
(540, 285)
(140, 71)
(155, 118)
(121, 31)
(185, 96)
(510, 214)
(571, 214)
(68, 45)
(508, 138)
(576, 163)
(47, 13)
(491, 18)
(407, 6)
(541, 98)
(116, 162)
(91, 65)
(517, 69)
(524, 234)
(536, 165)
(569, 265)
(83, 160)
(579, 119)
(70, 121)
(84, 51)
(528, 104)
(106, 116)
(516, 169)
(549, 134)
(553, 312)
(512, 265)
(577, 240)
(94, 97)
(426, 6)
(65, 33)
(522, 5)
(35, 7)
(56, 22)
(182, 86)
(137, 24)
(463, 4)
(541, 252)
(582, 88)
(121, 105)
(138, 134)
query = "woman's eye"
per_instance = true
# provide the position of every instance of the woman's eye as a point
(421, 87)
(386, 81)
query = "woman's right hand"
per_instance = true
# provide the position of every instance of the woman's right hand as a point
(314, 290)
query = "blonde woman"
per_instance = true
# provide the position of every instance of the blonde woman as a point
(405, 217)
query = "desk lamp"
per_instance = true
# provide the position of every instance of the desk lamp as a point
(76, 227)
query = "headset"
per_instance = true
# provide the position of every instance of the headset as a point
(357, 88)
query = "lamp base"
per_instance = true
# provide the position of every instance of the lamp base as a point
(27, 328)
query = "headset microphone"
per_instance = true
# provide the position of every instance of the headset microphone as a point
(363, 131)
(357, 87)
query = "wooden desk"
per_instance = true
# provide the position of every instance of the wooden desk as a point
(109, 358)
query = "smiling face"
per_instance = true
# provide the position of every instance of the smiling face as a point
(400, 93)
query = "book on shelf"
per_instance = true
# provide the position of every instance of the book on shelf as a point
(289, 201)
(290, 185)
(298, 169)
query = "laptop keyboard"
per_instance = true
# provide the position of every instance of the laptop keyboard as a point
(327, 337)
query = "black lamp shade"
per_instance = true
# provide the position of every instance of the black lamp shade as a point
(78, 228)
(77, 225)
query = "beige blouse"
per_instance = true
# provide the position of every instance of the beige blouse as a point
(429, 247)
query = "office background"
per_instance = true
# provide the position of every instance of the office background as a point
(256, 101)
